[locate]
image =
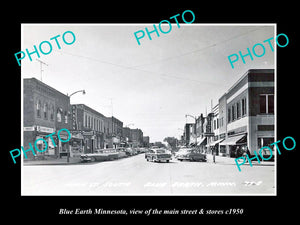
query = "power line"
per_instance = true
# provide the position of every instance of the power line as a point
(162, 60)
(136, 69)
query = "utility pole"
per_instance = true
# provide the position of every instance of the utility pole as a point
(41, 64)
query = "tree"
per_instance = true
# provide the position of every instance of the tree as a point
(171, 141)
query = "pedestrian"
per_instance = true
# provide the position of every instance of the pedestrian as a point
(246, 152)
(214, 154)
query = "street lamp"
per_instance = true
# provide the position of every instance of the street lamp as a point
(83, 92)
(195, 126)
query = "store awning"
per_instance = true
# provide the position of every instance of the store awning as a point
(233, 140)
(214, 142)
(201, 141)
(77, 136)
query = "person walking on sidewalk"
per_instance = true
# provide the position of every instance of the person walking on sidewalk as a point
(214, 155)
(245, 153)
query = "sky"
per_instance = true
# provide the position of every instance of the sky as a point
(151, 86)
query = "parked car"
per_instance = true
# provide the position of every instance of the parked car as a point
(129, 151)
(158, 155)
(190, 154)
(100, 155)
(181, 149)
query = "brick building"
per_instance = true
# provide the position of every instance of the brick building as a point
(45, 110)
(250, 112)
(115, 127)
(91, 125)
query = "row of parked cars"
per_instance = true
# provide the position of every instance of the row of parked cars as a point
(111, 154)
(184, 153)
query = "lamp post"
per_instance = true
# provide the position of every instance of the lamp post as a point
(83, 92)
(195, 126)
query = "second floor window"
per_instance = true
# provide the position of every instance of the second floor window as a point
(238, 110)
(243, 106)
(58, 116)
(66, 117)
(38, 108)
(52, 112)
(266, 104)
(45, 111)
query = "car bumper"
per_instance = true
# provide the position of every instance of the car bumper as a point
(162, 159)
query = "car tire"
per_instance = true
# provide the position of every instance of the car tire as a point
(147, 159)
(168, 161)
(93, 159)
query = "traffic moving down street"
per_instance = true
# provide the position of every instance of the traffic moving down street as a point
(135, 175)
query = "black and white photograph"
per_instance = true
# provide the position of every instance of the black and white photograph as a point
(144, 111)
(128, 109)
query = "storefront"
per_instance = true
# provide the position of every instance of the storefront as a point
(64, 147)
(201, 144)
(32, 134)
(235, 144)
(215, 146)
(76, 144)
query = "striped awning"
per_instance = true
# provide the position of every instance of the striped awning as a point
(201, 141)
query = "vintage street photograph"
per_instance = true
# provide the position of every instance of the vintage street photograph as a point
(148, 109)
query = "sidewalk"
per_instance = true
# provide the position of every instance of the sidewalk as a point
(228, 160)
(58, 161)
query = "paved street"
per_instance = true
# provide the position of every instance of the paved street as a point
(136, 176)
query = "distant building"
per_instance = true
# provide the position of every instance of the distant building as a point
(214, 139)
(188, 133)
(115, 127)
(146, 141)
(136, 137)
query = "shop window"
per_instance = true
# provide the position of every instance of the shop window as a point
(233, 112)
(264, 142)
(229, 115)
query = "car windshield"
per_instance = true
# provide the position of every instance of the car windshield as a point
(184, 150)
